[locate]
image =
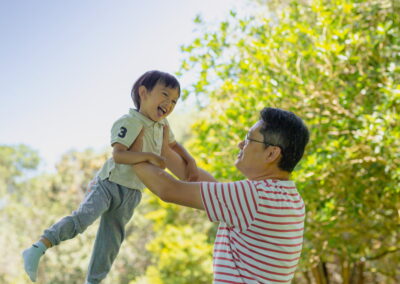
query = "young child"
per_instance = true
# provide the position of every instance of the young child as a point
(116, 190)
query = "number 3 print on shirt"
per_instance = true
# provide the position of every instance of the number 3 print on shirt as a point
(122, 132)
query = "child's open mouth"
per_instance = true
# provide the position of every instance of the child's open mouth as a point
(161, 111)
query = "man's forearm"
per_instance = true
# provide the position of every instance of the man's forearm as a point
(168, 188)
(154, 178)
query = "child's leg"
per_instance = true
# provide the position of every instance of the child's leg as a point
(111, 232)
(95, 203)
(31, 258)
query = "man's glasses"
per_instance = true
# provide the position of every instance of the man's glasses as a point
(262, 142)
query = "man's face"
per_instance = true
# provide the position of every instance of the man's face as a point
(251, 156)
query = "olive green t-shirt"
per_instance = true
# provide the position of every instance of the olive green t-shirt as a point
(124, 131)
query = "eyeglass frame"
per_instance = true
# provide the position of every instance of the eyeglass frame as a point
(262, 142)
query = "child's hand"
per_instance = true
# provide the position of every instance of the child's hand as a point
(157, 160)
(192, 172)
(150, 157)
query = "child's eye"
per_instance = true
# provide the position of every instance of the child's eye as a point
(165, 94)
(174, 102)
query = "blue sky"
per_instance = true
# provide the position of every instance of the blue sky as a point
(67, 67)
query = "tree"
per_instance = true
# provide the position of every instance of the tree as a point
(160, 237)
(35, 202)
(15, 162)
(336, 65)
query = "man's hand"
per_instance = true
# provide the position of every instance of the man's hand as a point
(152, 158)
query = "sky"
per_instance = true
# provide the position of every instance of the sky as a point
(67, 67)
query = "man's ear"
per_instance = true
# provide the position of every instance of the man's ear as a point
(142, 92)
(272, 154)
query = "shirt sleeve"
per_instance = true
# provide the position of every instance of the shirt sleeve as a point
(125, 130)
(233, 203)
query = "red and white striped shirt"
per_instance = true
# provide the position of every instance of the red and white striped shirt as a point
(260, 235)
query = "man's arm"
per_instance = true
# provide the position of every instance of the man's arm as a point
(168, 188)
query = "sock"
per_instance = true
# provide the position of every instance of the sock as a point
(31, 259)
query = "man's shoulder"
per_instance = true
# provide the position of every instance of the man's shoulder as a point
(275, 184)
(270, 184)
(245, 183)
(278, 192)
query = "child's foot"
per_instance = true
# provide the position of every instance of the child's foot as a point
(31, 259)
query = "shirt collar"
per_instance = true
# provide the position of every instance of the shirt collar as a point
(147, 121)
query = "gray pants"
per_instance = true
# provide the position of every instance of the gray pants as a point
(115, 204)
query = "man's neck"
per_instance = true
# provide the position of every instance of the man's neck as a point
(280, 175)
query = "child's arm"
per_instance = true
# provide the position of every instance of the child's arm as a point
(177, 166)
(191, 170)
(174, 161)
(122, 155)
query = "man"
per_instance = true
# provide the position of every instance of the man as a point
(260, 234)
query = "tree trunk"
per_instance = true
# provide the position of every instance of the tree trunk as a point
(320, 273)
(357, 275)
(307, 277)
(345, 272)
(361, 272)
(325, 272)
(315, 273)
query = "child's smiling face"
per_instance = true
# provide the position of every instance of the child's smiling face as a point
(159, 102)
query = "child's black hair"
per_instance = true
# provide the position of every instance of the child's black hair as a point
(149, 80)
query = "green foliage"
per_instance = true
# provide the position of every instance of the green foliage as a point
(14, 162)
(160, 239)
(37, 202)
(180, 255)
(180, 250)
(336, 65)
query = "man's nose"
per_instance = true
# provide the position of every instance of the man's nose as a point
(241, 144)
